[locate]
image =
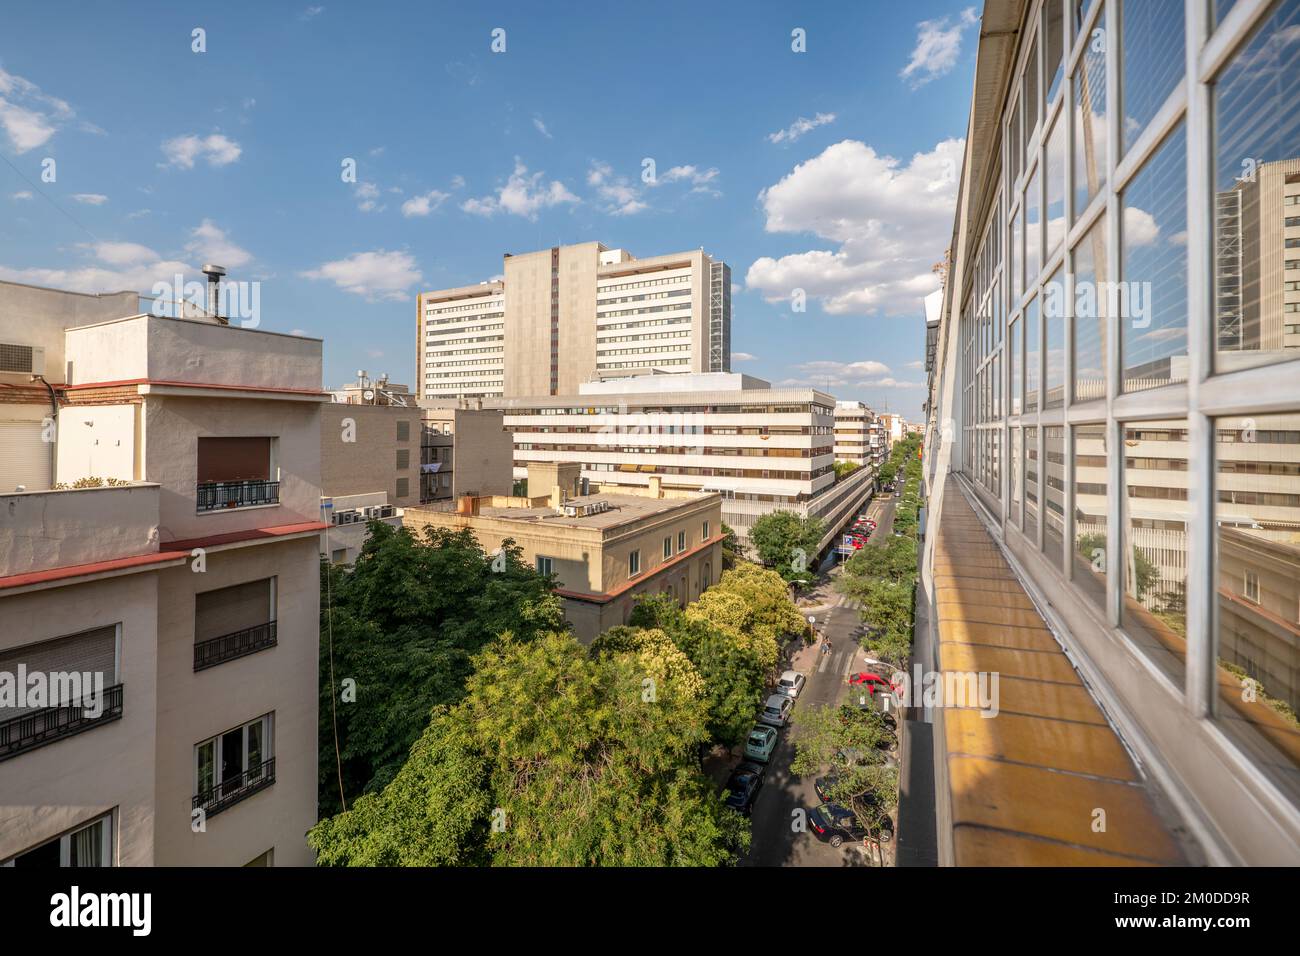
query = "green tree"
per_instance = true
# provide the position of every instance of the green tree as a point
(844, 468)
(403, 624)
(731, 549)
(788, 543)
(1146, 574)
(753, 605)
(567, 760)
(851, 744)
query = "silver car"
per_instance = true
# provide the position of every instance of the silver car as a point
(790, 684)
(776, 711)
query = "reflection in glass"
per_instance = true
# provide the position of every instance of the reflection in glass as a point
(1151, 61)
(1257, 516)
(1015, 257)
(1029, 97)
(1090, 556)
(1033, 230)
(1031, 356)
(1017, 455)
(1152, 296)
(1013, 358)
(1054, 325)
(1090, 332)
(1055, 186)
(1154, 562)
(1257, 198)
(1089, 125)
(1031, 483)
(1054, 495)
(1053, 46)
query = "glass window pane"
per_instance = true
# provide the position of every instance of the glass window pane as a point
(1081, 8)
(1054, 324)
(1056, 186)
(1151, 61)
(86, 846)
(1013, 357)
(1033, 231)
(1053, 46)
(1089, 125)
(1257, 516)
(1090, 332)
(1090, 512)
(1031, 483)
(1152, 296)
(255, 755)
(207, 763)
(1031, 356)
(1029, 98)
(1054, 496)
(1221, 9)
(1257, 198)
(1017, 455)
(1154, 568)
(1015, 258)
(1015, 146)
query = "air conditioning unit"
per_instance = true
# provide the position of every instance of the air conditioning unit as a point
(22, 359)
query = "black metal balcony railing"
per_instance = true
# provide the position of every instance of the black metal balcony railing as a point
(227, 647)
(40, 727)
(214, 495)
(229, 792)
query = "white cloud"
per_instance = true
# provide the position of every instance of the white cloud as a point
(891, 222)
(524, 194)
(374, 275)
(541, 127)
(799, 127)
(208, 243)
(367, 195)
(743, 357)
(1140, 227)
(619, 196)
(938, 44)
(125, 253)
(183, 151)
(310, 13)
(138, 214)
(90, 199)
(424, 204)
(700, 179)
(21, 194)
(299, 332)
(914, 366)
(28, 115)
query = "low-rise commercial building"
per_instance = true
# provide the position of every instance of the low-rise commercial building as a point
(464, 450)
(605, 545)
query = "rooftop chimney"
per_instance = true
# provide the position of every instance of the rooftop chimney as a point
(214, 274)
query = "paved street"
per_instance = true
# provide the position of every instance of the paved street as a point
(775, 843)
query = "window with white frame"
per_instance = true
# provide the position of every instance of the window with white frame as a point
(90, 844)
(234, 763)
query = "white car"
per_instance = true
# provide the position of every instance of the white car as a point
(776, 711)
(790, 684)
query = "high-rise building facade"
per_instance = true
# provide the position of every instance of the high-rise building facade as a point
(853, 432)
(563, 316)
(1114, 418)
(159, 565)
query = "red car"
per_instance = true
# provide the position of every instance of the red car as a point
(872, 682)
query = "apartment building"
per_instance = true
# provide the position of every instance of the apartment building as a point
(762, 449)
(158, 565)
(853, 432)
(1113, 407)
(559, 317)
(464, 450)
(606, 545)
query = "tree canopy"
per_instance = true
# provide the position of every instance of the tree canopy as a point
(788, 543)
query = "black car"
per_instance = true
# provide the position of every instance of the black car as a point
(834, 824)
(743, 786)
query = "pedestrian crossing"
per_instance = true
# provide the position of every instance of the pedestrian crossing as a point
(838, 662)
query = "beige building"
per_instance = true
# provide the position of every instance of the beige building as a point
(605, 547)
(853, 432)
(465, 450)
(159, 567)
(569, 314)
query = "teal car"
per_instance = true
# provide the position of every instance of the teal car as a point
(761, 743)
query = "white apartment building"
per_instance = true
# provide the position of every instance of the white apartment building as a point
(160, 495)
(763, 449)
(561, 316)
(853, 432)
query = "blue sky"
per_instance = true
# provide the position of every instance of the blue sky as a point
(832, 170)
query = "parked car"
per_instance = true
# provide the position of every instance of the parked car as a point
(776, 711)
(762, 741)
(743, 786)
(834, 824)
(790, 684)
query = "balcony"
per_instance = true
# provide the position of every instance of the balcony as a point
(218, 495)
(236, 788)
(40, 727)
(238, 644)
(65, 528)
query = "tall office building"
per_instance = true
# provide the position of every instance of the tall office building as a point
(563, 316)
(1112, 474)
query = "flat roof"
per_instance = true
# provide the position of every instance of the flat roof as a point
(623, 509)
